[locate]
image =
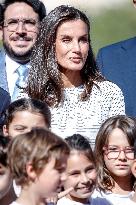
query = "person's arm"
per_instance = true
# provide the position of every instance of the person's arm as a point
(4, 102)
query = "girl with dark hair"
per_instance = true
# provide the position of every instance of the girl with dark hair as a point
(24, 114)
(114, 152)
(81, 173)
(64, 74)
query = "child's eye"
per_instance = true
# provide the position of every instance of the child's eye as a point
(74, 174)
(90, 169)
(20, 128)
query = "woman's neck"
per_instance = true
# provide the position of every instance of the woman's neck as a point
(9, 197)
(71, 79)
(123, 185)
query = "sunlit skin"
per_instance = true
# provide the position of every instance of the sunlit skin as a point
(120, 168)
(81, 175)
(24, 121)
(45, 184)
(72, 50)
(19, 43)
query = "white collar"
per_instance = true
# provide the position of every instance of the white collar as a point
(12, 65)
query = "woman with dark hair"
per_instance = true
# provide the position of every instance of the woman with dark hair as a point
(64, 74)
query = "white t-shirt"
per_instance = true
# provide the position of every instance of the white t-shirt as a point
(114, 199)
(96, 201)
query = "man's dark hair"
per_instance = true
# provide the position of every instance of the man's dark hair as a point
(37, 5)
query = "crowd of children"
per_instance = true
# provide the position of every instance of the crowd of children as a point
(48, 169)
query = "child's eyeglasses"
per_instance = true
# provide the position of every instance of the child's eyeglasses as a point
(113, 152)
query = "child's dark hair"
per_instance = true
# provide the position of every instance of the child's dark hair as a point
(82, 144)
(4, 141)
(31, 105)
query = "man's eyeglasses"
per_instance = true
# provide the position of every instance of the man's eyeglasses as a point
(28, 24)
(113, 152)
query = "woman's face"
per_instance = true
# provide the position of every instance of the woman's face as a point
(24, 121)
(121, 165)
(72, 45)
(81, 175)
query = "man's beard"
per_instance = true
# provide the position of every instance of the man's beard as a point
(23, 57)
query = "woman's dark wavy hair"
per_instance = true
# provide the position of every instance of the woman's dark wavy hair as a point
(128, 126)
(44, 81)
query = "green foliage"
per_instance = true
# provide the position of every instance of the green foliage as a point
(112, 26)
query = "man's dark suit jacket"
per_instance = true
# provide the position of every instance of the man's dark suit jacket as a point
(117, 62)
(4, 102)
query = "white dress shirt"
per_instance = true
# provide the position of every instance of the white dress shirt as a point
(12, 76)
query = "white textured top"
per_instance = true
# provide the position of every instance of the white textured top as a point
(86, 117)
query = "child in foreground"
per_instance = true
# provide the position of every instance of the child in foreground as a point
(37, 160)
(7, 194)
(114, 150)
(81, 173)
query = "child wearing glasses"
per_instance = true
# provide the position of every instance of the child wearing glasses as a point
(114, 152)
(37, 160)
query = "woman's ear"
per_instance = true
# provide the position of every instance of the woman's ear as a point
(31, 172)
(133, 168)
(5, 130)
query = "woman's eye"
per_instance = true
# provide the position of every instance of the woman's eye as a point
(84, 39)
(66, 40)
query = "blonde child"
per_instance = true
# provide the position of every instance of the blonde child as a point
(81, 173)
(37, 160)
(7, 194)
(114, 151)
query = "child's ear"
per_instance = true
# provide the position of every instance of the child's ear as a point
(5, 130)
(31, 172)
(133, 168)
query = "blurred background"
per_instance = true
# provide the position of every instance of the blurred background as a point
(111, 20)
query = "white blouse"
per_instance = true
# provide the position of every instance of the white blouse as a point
(85, 117)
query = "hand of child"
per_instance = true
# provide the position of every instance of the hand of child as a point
(53, 200)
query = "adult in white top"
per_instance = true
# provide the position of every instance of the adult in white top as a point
(67, 78)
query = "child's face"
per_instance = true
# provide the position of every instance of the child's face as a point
(121, 166)
(5, 181)
(23, 122)
(81, 175)
(49, 182)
